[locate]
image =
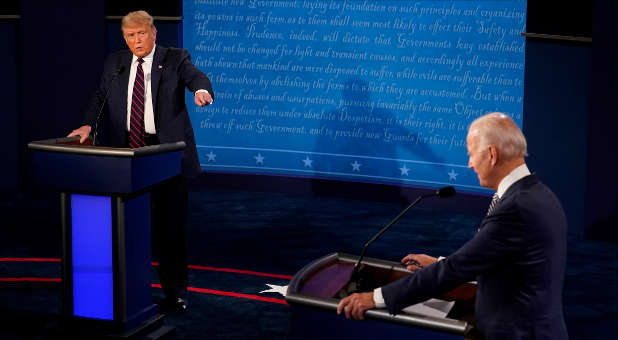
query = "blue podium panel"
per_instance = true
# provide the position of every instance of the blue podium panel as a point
(136, 231)
(92, 259)
(103, 174)
(69, 166)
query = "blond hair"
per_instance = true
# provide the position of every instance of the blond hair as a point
(501, 131)
(138, 18)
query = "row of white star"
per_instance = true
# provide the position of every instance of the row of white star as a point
(308, 163)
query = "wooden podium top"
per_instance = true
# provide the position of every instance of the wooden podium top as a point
(321, 283)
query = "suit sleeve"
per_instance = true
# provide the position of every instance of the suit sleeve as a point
(500, 238)
(193, 78)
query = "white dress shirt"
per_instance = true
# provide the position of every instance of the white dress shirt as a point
(514, 176)
(149, 124)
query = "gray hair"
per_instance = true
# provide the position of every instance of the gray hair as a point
(138, 18)
(500, 130)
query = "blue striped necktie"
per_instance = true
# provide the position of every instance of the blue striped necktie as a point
(494, 200)
(136, 131)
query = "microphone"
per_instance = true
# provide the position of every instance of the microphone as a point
(443, 192)
(119, 70)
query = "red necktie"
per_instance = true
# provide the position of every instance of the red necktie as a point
(136, 132)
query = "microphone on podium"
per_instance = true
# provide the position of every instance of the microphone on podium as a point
(355, 277)
(119, 70)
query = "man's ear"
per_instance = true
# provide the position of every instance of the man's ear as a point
(493, 155)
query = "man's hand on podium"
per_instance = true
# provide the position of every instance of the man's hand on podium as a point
(356, 304)
(416, 262)
(83, 132)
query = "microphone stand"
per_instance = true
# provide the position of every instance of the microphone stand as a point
(96, 123)
(355, 276)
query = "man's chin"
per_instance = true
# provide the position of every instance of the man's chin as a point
(139, 53)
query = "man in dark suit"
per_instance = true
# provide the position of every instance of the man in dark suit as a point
(146, 106)
(518, 255)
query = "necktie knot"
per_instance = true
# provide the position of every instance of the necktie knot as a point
(494, 200)
(140, 61)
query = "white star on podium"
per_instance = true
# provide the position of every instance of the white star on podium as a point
(404, 170)
(211, 156)
(356, 166)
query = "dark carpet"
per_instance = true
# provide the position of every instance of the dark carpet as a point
(254, 234)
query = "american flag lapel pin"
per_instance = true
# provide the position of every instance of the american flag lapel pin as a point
(159, 67)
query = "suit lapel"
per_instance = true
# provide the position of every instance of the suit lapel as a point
(123, 88)
(155, 73)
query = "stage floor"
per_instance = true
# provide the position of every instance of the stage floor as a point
(244, 245)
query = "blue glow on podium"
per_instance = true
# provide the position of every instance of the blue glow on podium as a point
(93, 288)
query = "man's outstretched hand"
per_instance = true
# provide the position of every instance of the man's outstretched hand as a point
(202, 98)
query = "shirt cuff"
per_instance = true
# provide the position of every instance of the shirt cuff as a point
(202, 90)
(441, 258)
(378, 299)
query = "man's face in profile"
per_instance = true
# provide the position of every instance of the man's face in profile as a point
(479, 160)
(140, 39)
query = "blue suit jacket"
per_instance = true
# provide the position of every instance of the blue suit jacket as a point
(172, 72)
(518, 258)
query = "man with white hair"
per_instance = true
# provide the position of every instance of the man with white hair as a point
(517, 257)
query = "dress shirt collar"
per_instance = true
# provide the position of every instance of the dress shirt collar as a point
(515, 175)
(147, 59)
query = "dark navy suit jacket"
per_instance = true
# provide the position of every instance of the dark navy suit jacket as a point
(518, 258)
(172, 72)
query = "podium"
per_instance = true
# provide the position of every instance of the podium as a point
(315, 292)
(105, 218)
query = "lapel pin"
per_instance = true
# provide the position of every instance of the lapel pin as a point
(160, 67)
